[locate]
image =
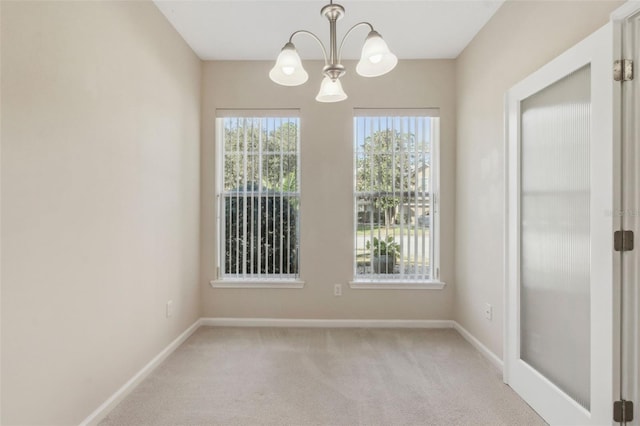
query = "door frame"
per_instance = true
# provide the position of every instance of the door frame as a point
(629, 212)
(604, 323)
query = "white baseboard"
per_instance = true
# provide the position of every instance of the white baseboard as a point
(324, 323)
(102, 411)
(493, 358)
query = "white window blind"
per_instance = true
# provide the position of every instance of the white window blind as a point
(259, 197)
(395, 195)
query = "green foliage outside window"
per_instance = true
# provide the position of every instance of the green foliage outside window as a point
(386, 168)
(261, 234)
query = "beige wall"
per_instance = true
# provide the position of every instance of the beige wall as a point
(100, 201)
(326, 189)
(520, 38)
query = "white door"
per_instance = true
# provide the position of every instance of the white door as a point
(562, 270)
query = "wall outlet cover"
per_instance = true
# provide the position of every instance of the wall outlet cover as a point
(488, 311)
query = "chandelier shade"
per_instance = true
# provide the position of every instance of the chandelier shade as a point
(376, 58)
(331, 91)
(288, 70)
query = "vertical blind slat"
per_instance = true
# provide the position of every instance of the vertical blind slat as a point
(244, 199)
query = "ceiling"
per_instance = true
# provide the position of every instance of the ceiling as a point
(257, 29)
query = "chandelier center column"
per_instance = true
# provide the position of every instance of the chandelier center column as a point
(333, 12)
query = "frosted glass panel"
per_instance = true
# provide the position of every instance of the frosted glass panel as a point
(555, 239)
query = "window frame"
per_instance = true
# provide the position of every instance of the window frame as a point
(267, 280)
(435, 282)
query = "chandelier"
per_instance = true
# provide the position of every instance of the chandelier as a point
(376, 58)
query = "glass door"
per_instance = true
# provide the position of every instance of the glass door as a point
(560, 354)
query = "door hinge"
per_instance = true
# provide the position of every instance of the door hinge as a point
(623, 70)
(623, 240)
(622, 411)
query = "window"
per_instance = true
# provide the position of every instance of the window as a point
(259, 197)
(396, 182)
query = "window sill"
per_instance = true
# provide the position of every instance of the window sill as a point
(396, 285)
(256, 283)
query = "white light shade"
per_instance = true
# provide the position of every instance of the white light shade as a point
(288, 70)
(376, 57)
(331, 91)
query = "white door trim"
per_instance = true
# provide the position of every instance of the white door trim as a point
(625, 11)
(627, 24)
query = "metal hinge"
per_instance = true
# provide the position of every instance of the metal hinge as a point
(623, 70)
(622, 411)
(623, 240)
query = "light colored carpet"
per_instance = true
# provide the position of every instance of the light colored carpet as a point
(306, 376)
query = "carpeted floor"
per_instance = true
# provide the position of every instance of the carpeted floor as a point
(306, 376)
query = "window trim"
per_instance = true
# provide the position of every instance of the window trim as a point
(435, 282)
(368, 284)
(257, 283)
(268, 281)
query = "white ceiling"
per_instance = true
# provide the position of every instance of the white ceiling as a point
(257, 29)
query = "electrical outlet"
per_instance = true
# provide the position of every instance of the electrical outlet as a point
(488, 311)
(169, 308)
(337, 289)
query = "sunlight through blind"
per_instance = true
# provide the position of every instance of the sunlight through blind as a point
(394, 198)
